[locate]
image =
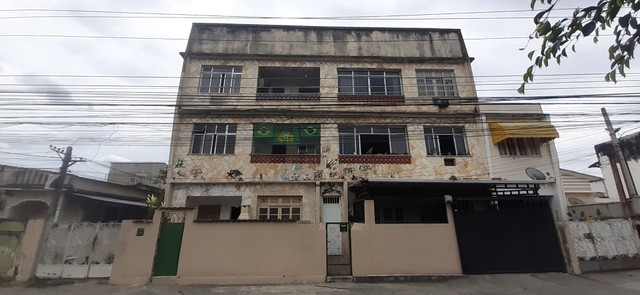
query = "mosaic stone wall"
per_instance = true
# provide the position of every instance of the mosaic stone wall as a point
(204, 175)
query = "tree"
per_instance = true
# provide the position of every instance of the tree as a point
(561, 37)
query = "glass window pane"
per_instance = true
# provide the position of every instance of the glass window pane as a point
(205, 82)
(460, 144)
(220, 143)
(442, 130)
(393, 86)
(345, 129)
(422, 87)
(285, 211)
(361, 85)
(376, 81)
(431, 147)
(347, 144)
(363, 129)
(383, 130)
(232, 128)
(399, 144)
(208, 143)
(345, 85)
(231, 144)
(263, 210)
(398, 130)
(215, 83)
(196, 148)
(295, 210)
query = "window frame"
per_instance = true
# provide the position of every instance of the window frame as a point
(434, 145)
(356, 138)
(301, 148)
(434, 83)
(201, 130)
(230, 74)
(276, 206)
(352, 75)
(520, 147)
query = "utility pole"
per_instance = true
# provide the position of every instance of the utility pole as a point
(619, 158)
(67, 161)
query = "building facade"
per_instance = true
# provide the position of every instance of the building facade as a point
(371, 126)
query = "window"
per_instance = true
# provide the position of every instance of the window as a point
(366, 82)
(289, 139)
(445, 141)
(519, 147)
(213, 139)
(279, 208)
(362, 140)
(215, 208)
(217, 79)
(436, 83)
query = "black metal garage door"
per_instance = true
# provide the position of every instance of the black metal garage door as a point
(507, 234)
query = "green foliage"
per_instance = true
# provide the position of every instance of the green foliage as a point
(560, 37)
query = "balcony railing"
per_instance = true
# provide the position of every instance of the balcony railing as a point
(374, 159)
(288, 96)
(284, 158)
(393, 99)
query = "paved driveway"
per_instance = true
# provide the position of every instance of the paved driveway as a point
(619, 283)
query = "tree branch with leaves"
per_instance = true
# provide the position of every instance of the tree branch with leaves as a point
(560, 38)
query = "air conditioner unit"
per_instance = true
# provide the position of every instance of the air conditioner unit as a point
(441, 102)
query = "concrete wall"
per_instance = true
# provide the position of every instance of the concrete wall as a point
(325, 41)
(133, 261)
(30, 249)
(251, 253)
(608, 210)
(404, 249)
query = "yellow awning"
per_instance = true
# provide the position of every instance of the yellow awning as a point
(542, 130)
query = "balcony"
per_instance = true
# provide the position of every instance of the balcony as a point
(288, 83)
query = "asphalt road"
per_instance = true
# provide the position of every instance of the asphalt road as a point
(619, 283)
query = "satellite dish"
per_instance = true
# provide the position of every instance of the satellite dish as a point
(535, 174)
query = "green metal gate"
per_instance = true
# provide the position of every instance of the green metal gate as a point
(169, 243)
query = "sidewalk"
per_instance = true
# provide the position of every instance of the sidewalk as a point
(619, 283)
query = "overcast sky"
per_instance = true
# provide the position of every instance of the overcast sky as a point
(78, 73)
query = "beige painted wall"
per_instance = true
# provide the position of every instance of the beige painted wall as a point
(133, 261)
(30, 249)
(404, 249)
(251, 253)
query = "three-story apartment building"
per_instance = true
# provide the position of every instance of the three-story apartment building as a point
(378, 125)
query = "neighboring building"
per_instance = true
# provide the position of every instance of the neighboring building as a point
(137, 173)
(378, 126)
(630, 146)
(27, 193)
(583, 189)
